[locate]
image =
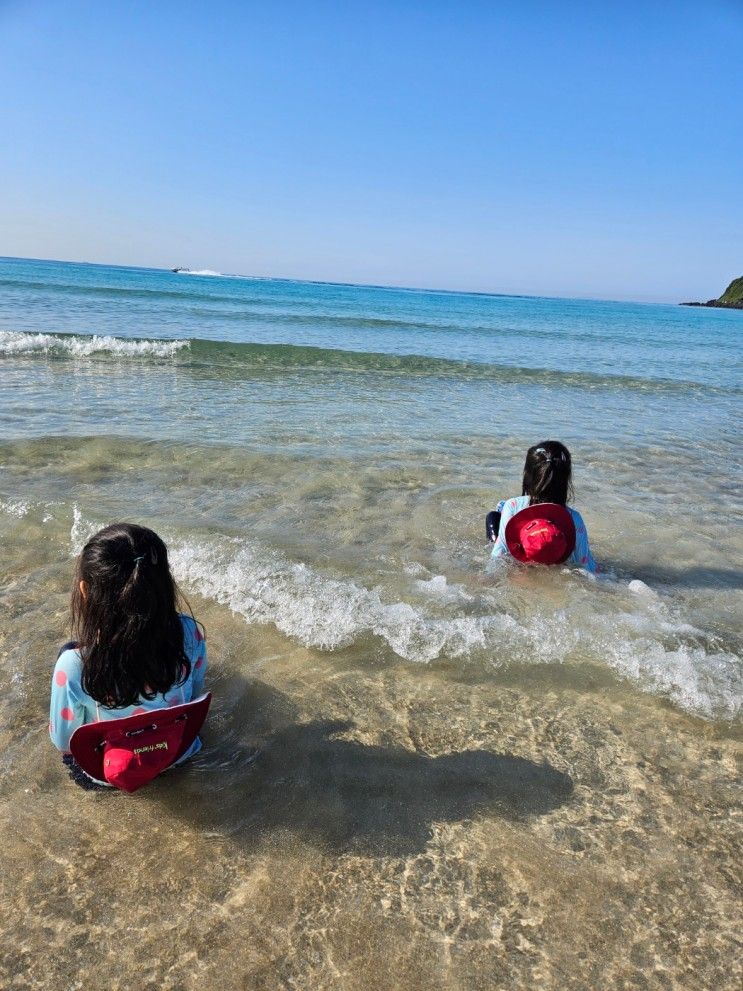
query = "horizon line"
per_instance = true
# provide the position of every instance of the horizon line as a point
(333, 282)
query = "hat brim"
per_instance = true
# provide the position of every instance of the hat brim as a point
(87, 739)
(552, 511)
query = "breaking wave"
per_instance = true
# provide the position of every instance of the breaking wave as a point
(83, 346)
(230, 359)
(647, 648)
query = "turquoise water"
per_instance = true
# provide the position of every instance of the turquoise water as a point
(364, 362)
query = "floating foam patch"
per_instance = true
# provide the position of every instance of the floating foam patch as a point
(15, 507)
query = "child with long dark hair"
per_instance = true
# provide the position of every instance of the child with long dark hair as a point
(538, 526)
(134, 651)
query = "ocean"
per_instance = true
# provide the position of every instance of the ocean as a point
(418, 772)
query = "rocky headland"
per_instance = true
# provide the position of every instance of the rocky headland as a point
(731, 299)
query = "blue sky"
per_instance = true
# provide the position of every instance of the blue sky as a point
(566, 148)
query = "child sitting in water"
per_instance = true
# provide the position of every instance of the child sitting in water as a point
(539, 527)
(134, 651)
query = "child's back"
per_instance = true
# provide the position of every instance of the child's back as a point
(71, 706)
(546, 483)
(134, 653)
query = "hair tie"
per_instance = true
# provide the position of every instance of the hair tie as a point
(138, 559)
(551, 458)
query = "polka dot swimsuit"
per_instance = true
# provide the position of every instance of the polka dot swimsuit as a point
(72, 707)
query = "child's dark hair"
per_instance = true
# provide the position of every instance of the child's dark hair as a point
(126, 618)
(547, 473)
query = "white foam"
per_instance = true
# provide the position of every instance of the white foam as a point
(197, 271)
(15, 507)
(80, 532)
(319, 612)
(83, 346)
(705, 683)
(438, 588)
(640, 588)
(326, 613)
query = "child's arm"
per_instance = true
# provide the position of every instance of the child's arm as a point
(66, 709)
(582, 555)
(507, 509)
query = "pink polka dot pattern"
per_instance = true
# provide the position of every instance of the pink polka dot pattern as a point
(199, 663)
(60, 677)
(67, 713)
(138, 711)
(199, 635)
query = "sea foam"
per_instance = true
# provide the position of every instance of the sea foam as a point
(650, 649)
(15, 507)
(83, 346)
(199, 271)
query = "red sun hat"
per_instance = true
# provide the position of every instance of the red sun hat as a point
(129, 752)
(541, 534)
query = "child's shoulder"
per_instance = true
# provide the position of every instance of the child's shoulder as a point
(515, 504)
(69, 664)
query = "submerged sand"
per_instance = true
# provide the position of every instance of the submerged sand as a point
(356, 822)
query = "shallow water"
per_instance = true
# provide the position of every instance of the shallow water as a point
(418, 774)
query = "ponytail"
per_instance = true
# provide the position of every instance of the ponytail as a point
(125, 617)
(548, 473)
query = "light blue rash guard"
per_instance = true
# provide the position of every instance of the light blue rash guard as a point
(71, 706)
(581, 556)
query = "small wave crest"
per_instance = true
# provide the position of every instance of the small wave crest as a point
(645, 647)
(83, 346)
(232, 358)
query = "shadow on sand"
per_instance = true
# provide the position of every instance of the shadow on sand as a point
(341, 794)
